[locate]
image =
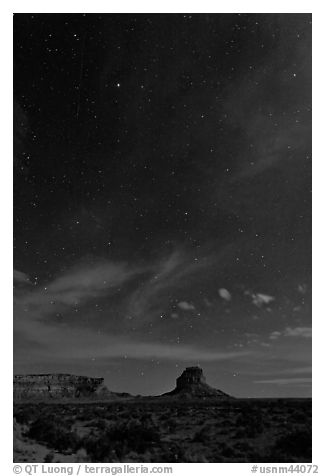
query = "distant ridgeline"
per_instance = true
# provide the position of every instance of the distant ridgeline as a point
(57, 386)
(191, 384)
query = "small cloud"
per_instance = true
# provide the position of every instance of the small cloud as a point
(260, 299)
(302, 288)
(297, 309)
(174, 315)
(186, 306)
(250, 334)
(207, 302)
(224, 294)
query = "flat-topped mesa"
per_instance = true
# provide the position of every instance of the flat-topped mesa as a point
(58, 386)
(192, 383)
(190, 376)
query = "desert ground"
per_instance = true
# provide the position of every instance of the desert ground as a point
(164, 430)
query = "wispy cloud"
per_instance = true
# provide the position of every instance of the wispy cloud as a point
(58, 343)
(47, 338)
(20, 277)
(275, 335)
(63, 343)
(75, 287)
(144, 298)
(36, 308)
(119, 347)
(85, 282)
(149, 300)
(148, 287)
(304, 332)
(287, 371)
(298, 332)
(286, 381)
(273, 139)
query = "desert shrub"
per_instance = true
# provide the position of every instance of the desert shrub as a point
(171, 425)
(146, 419)
(54, 433)
(227, 422)
(204, 434)
(243, 451)
(17, 437)
(240, 432)
(299, 416)
(98, 423)
(21, 416)
(251, 423)
(91, 412)
(116, 441)
(173, 454)
(26, 413)
(293, 446)
(225, 450)
(191, 456)
(48, 458)
(164, 416)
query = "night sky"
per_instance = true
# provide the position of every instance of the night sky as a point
(162, 199)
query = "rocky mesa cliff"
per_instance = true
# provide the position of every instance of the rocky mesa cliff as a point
(58, 386)
(192, 384)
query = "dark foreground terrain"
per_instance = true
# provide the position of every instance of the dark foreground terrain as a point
(164, 430)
